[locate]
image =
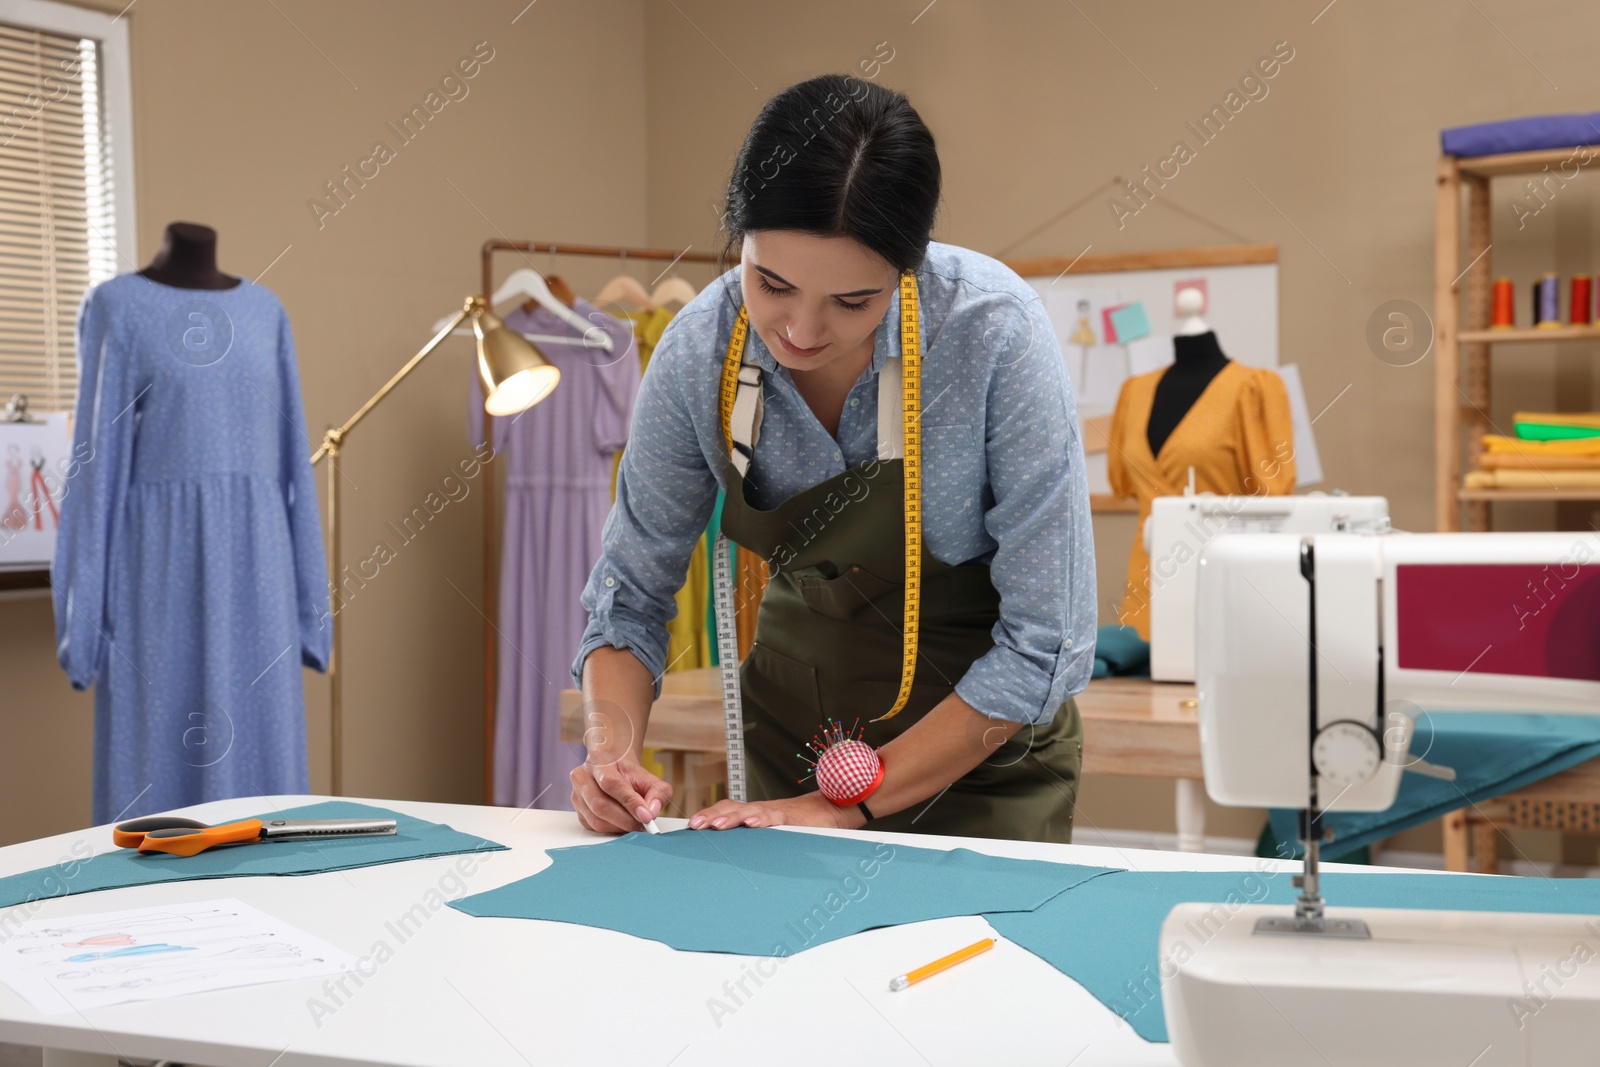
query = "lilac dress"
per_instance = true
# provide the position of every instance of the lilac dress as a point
(189, 580)
(557, 458)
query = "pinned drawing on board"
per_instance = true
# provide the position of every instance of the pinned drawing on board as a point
(1108, 325)
(1083, 336)
(1092, 362)
(1200, 286)
(1131, 322)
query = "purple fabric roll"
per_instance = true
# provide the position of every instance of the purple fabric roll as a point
(1521, 135)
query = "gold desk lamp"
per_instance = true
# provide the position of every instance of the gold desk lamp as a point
(515, 376)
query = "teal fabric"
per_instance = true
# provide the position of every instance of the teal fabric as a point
(767, 892)
(1491, 753)
(112, 867)
(1105, 934)
(1120, 651)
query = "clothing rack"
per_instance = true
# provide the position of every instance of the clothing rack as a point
(490, 577)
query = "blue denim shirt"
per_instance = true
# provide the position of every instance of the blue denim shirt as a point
(1003, 473)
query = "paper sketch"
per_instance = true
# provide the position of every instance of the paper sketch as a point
(146, 953)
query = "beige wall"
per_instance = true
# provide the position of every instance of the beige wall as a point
(239, 120)
(617, 122)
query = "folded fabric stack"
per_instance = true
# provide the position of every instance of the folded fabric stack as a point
(1550, 451)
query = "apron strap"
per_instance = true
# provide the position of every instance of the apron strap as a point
(747, 405)
(746, 419)
(891, 432)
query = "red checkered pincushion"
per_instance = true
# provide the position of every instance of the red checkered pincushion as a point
(849, 771)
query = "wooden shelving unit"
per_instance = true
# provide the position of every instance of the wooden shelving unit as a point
(1463, 340)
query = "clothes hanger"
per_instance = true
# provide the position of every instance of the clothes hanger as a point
(525, 282)
(558, 289)
(674, 289)
(626, 287)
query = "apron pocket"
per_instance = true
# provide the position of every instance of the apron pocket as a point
(781, 689)
(856, 595)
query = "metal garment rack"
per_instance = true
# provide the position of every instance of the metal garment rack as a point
(490, 571)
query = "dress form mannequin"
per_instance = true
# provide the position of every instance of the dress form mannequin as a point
(188, 259)
(1196, 360)
(1205, 424)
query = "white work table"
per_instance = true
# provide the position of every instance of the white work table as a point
(492, 992)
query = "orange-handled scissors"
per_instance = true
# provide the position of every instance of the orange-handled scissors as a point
(186, 837)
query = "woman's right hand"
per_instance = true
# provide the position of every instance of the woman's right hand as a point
(615, 796)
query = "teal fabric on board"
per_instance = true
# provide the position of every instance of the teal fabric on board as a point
(767, 892)
(1491, 753)
(1105, 934)
(112, 867)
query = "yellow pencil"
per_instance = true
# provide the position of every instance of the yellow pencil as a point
(911, 978)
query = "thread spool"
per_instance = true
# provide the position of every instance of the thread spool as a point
(1547, 303)
(1505, 312)
(1579, 310)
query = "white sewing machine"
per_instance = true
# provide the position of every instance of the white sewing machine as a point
(1179, 527)
(1314, 654)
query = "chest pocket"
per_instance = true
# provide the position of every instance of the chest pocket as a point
(853, 594)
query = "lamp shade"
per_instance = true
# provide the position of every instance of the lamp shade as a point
(515, 374)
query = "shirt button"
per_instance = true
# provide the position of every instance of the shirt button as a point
(610, 582)
(837, 455)
(855, 401)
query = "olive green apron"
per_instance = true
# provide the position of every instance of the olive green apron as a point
(828, 644)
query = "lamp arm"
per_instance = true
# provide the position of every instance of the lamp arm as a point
(335, 435)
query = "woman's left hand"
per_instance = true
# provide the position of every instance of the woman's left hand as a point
(812, 809)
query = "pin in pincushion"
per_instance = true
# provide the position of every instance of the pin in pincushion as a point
(847, 769)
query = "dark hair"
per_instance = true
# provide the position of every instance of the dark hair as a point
(838, 157)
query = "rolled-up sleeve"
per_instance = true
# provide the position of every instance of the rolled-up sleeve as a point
(1043, 565)
(665, 493)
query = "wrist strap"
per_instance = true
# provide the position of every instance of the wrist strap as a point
(865, 810)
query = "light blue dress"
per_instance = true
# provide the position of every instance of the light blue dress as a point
(189, 578)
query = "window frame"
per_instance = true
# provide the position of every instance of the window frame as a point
(116, 95)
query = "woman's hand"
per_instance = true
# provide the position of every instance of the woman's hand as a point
(812, 809)
(615, 796)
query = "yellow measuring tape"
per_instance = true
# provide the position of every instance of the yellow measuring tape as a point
(911, 422)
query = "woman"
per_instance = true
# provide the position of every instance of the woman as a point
(831, 204)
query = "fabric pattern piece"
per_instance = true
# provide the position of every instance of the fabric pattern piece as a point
(1004, 483)
(112, 867)
(767, 892)
(1492, 754)
(557, 457)
(1238, 437)
(1105, 934)
(189, 578)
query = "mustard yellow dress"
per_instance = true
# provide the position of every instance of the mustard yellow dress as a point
(1238, 437)
(688, 644)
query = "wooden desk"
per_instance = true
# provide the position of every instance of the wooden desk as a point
(1131, 726)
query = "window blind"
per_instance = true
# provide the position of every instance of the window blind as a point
(57, 227)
